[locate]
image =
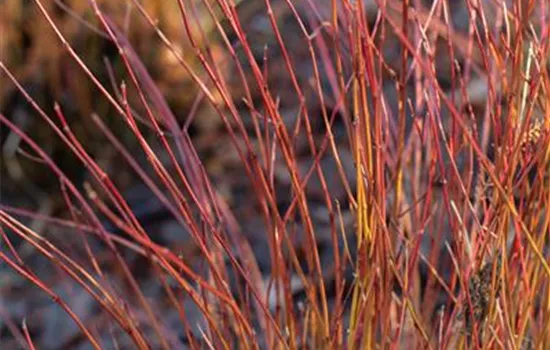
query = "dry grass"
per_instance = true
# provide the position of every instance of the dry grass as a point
(339, 174)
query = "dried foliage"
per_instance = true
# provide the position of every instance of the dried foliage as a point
(278, 174)
(481, 290)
